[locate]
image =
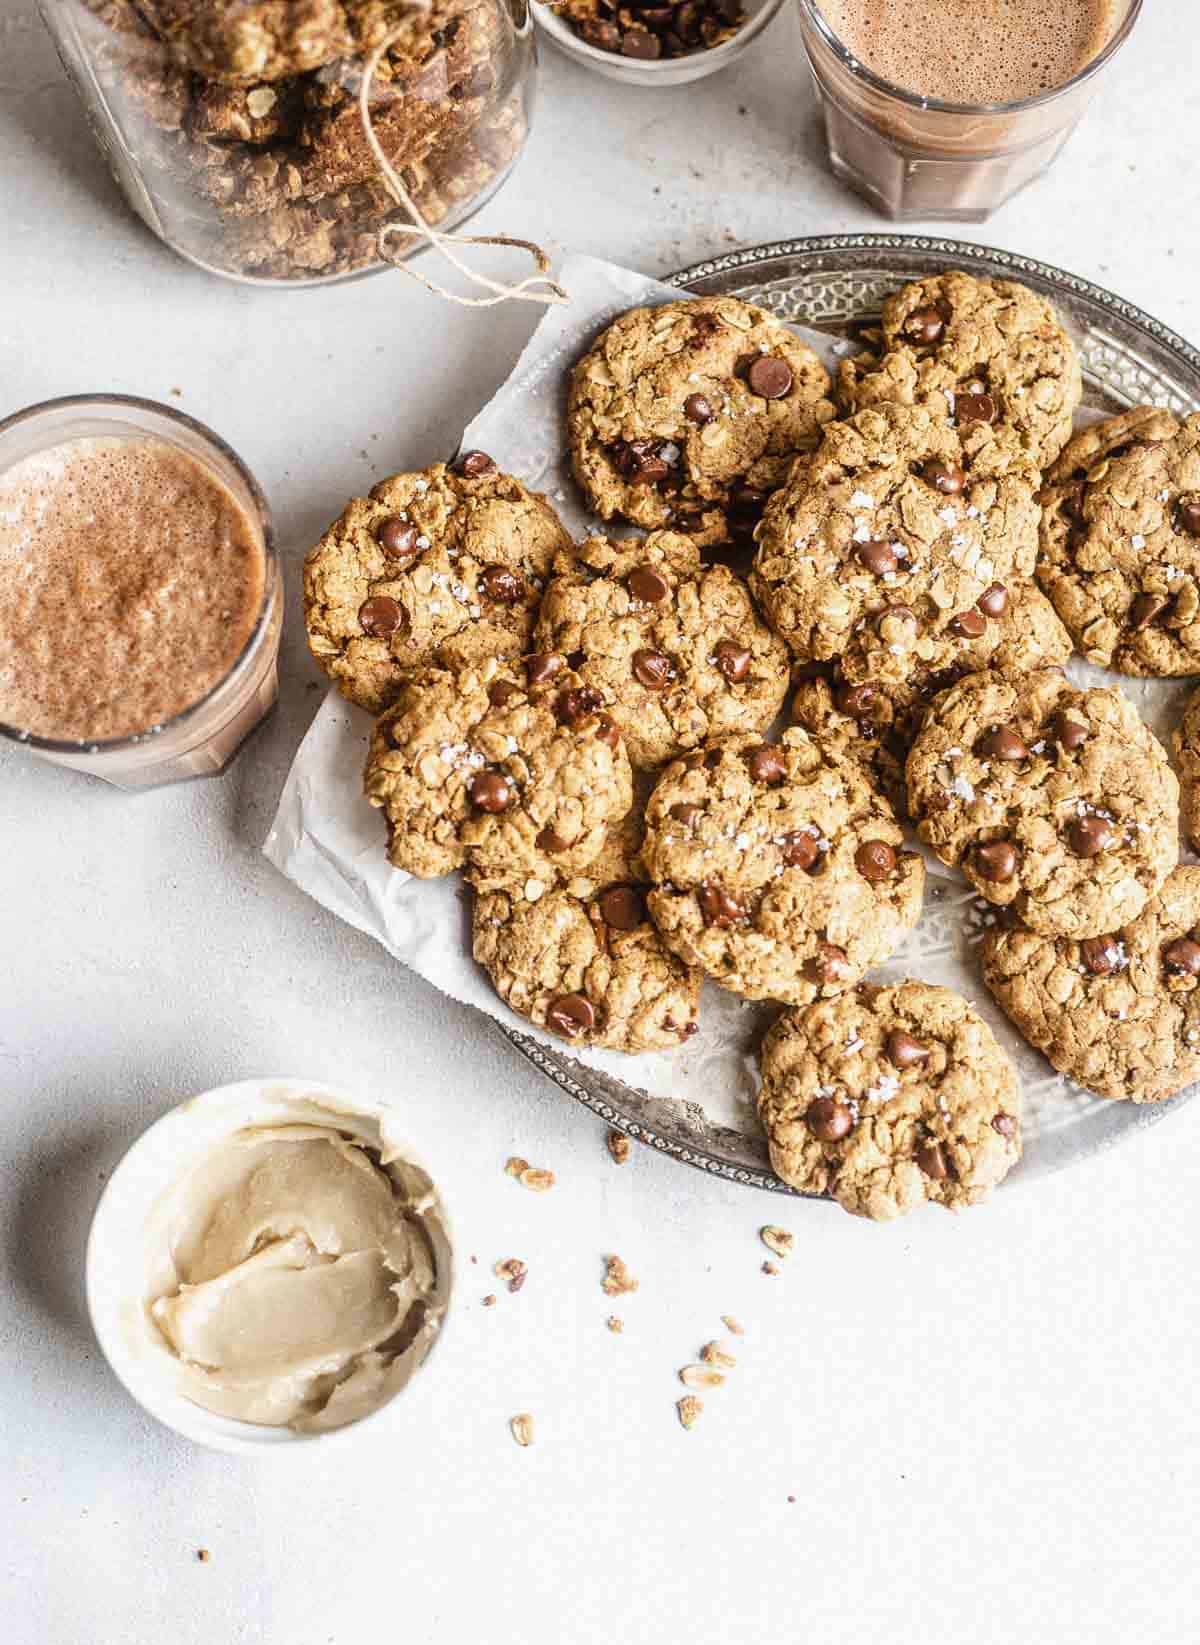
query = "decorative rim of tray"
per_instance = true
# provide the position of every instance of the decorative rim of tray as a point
(680, 1129)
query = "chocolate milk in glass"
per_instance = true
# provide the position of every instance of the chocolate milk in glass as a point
(944, 108)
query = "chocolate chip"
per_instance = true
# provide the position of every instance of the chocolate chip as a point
(489, 791)
(576, 704)
(637, 43)
(1004, 1124)
(993, 602)
(974, 408)
(996, 862)
(621, 906)
(380, 616)
(1089, 836)
(968, 624)
(657, 17)
(1069, 734)
(697, 408)
(744, 512)
(770, 377)
(905, 1052)
(828, 1119)
(732, 660)
(551, 841)
(646, 584)
(686, 814)
(500, 584)
(1101, 955)
(473, 464)
(645, 460)
(501, 692)
(828, 965)
(396, 537)
(607, 731)
(766, 765)
(543, 666)
(652, 669)
(570, 1014)
(857, 700)
(718, 908)
(878, 557)
(799, 850)
(932, 1160)
(1003, 744)
(1183, 957)
(1145, 609)
(1187, 514)
(944, 477)
(875, 861)
(924, 325)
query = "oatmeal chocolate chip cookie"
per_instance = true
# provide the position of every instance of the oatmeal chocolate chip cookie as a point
(444, 566)
(580, 956)
(777, 868)
(1118, 1012)
(1120, 542)
(687, 415)
(675, 646)
(1054, 801)
(989, 354)
(1186, 742)
(478, 768)
(876, 722)
(893, 549)
(888, 1097)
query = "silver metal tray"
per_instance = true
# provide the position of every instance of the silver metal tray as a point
(834, 283)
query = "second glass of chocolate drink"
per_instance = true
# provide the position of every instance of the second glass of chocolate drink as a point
(945, 108)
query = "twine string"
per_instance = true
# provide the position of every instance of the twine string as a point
(534, 288)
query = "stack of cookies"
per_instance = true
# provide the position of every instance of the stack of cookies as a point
(586, 730)
(247, 113)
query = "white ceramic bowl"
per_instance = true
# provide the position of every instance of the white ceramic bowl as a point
(664, 71)
(116, 1262)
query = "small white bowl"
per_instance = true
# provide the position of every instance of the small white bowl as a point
(116, 1263)
(663, 71)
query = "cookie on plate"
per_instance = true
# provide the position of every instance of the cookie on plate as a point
(1120, 542)
(445, 566)
(675, 646)
(888, 1097)
(1054, 801)
(893, 549)
(990, 355)
(1118, 1012)
(876, 723)
(581, 957)
(1186, 742)
(777, 868)
(476, 767)
(686, 415)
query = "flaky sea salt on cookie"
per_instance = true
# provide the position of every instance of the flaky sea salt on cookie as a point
(893, 549)
(444, 566)
(1118, 1012)
(481, 768)
(1054, 801)
(675, 646)
(778, 868)
(888, 1097)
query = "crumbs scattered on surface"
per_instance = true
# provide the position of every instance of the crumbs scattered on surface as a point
(769, 1268)
(490, 1300)
(618, 1281)
(779, 1240)
(513, 1270)
(529, 1176)
(202, 1554)
(615, 1325)
(618, 1146)
(689, 1409)
(732, 1326)
(522, 1428)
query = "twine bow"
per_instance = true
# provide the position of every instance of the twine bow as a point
(534, 288)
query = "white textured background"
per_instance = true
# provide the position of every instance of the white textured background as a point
(989, 1425)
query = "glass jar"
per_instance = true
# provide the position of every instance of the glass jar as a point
(233, 128)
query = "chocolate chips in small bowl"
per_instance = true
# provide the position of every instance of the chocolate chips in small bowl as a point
(660, 42)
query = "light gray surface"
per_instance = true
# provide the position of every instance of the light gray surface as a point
(989, 1425)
